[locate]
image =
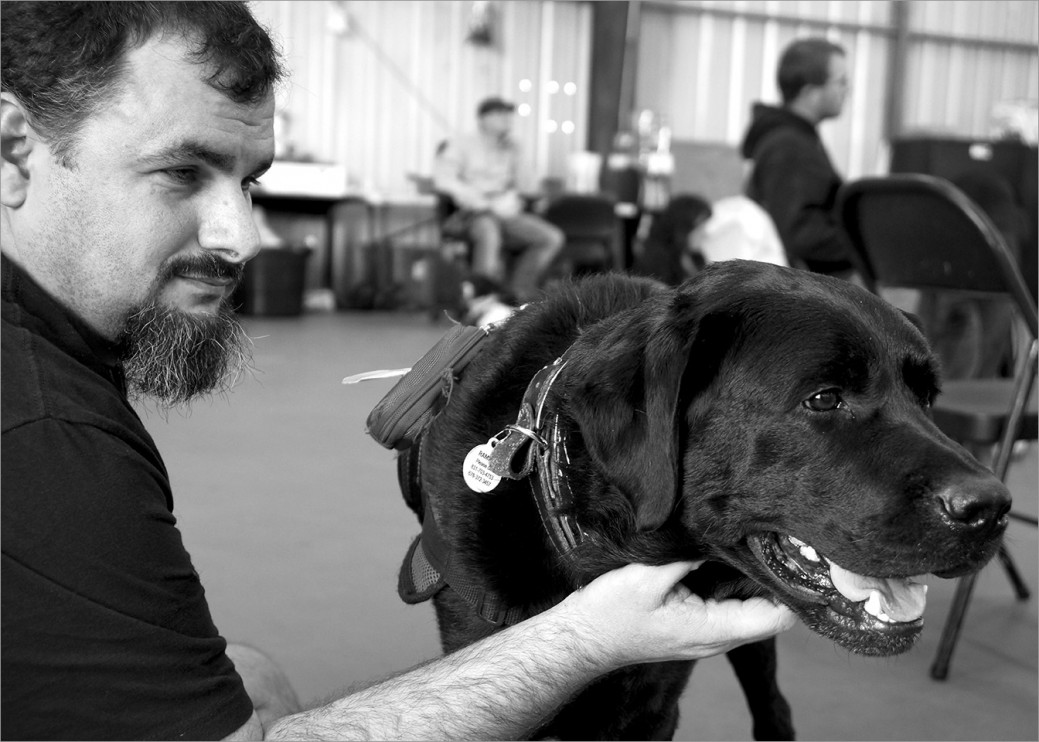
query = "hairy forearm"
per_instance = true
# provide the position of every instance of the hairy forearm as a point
(503, 687)
(509, 684)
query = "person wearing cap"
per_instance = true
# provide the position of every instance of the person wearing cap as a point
(481, 172)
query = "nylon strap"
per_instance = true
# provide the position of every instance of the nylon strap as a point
(535, 441)
(427, 567)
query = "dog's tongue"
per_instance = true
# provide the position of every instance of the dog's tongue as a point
(901, 599)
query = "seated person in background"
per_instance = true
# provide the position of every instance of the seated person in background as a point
(480, 171)
(792, 177)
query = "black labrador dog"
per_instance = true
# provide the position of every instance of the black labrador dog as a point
(769, 420)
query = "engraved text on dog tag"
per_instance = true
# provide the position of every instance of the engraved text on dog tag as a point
(478, 477)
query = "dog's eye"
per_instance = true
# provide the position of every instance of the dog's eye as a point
(824, 401)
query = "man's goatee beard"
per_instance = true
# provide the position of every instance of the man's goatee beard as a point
(173, 356)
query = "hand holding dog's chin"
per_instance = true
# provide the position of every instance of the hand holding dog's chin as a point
(641, 613)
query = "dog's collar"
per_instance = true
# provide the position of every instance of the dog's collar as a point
(536, 441)
(552, 493)
(515, 447)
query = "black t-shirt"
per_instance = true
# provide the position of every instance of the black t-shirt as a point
(106, 630)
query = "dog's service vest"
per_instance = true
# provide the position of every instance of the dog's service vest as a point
(533, 447)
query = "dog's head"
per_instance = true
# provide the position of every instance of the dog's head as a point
(779, 421)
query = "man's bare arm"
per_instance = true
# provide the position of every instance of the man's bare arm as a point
(499, 688)
(506, 685)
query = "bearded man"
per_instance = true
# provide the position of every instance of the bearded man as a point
(131, 134)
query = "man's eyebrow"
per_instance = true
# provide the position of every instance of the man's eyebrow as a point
(194, 151)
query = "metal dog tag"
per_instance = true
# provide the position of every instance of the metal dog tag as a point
(478, 477)
(511, 457)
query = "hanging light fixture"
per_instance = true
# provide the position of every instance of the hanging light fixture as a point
(481, 24)
(337, 22)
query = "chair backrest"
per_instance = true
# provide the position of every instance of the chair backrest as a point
(592, 229)
(583, 215)
(920, 231)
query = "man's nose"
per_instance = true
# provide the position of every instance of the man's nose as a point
(227, 226)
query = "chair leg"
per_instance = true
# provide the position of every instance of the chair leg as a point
(953, 624)
(958, 612)
(1020, 588)
(1025, 375)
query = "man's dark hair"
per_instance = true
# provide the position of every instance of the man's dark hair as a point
(62, 60)
(805, 62)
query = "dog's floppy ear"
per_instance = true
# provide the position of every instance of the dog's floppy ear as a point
(623, 383)
(914, 319)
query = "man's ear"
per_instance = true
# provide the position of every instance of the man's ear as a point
(16, 142)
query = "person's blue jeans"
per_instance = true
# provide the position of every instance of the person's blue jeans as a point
(536, 241)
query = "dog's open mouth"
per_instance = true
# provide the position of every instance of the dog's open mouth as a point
(855, 602)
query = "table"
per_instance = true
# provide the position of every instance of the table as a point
(323, 205)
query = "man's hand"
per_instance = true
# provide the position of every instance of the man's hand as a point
(507, 684)
(506, 205)
(641, 614)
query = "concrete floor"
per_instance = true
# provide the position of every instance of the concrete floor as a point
(292, 516)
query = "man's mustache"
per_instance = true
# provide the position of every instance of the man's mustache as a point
(205, 265)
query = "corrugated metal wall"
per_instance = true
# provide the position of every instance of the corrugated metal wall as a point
(377, 84)
(966, 56)
(702, 64)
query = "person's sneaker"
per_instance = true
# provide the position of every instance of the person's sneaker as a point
(486, 301)
(1021, 449)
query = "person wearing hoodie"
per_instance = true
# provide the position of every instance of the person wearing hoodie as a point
(792, 177)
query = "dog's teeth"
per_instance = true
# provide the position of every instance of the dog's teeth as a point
(806, 551)
(872, 605)
(809, 553)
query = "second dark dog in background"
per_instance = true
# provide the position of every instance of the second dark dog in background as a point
(665, 253)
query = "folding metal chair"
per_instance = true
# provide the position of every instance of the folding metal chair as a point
(921, 232)
(592, 229)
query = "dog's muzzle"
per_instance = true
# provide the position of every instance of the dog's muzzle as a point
(870, 615)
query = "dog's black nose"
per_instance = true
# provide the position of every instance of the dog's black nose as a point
(976, 502)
